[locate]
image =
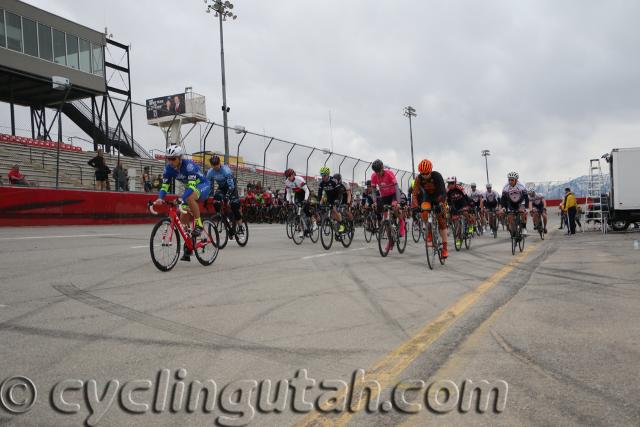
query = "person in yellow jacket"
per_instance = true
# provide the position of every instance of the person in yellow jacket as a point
(570, 206)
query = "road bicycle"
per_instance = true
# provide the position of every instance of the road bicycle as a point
(302, 225)
(417, 227)
(515, 229)
(432, 243)
(461, 233)
(331, 229)
(229, 229)
(370, 225)
(164, 244)
(536, 217)
(389, 233)
(493, 222)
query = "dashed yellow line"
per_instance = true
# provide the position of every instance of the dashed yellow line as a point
(388, 369)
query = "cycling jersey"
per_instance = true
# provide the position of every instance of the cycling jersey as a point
(538, 202)
(475, 197)
(190, 175)
(223, 177)
(296, 189)
(331, 188)
(457, 198)
(428, 189)
(513, 196)
(491, 199)
(386, 184)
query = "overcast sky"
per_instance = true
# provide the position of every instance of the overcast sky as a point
(544, 84)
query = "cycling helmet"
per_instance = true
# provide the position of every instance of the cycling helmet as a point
(337, 177)
(175, 151)
(289, 172)
(452, 180)
(473, 184)
(377, 165)
(425, 167)
(488, 185)
(368, 183)
(214, 160)
(325, 170)
(513, 175)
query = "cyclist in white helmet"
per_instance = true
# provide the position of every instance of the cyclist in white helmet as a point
(515, 199)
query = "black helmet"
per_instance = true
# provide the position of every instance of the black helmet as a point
(337, 177)
(214, 160)
(368, 183)
(377, 165)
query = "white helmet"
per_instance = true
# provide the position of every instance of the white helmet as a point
(473, 184)
(452, 179)
(488, 185)
(513, 175)
(175, 151)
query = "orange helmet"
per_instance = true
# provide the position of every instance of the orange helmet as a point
(425, 167)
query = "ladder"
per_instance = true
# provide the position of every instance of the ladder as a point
(597, 205)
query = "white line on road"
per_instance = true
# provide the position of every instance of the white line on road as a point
(58, 237)
(139, 247)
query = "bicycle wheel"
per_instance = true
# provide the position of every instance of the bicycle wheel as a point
(223, 235)
(385, 238)
(207, 245)
(521, 243)
(314, 233)
(540, 229)
(297, 231)
(467, 237)
(430, 246)
(242, 234)
(457, 235)
(369, 228)
(164, 245)
(288, 226)
(401, 241)
(416, 230)
(347, 237)
(326, 233)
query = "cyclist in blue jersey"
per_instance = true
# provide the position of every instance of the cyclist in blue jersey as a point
(196, 187)
(223, 177)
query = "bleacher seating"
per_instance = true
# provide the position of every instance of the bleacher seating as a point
(37, 161)
(11, 139)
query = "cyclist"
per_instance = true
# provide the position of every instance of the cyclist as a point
(297, 191)
(458, 201)
(334, 191)
(515, 198)
(429, 187)
(221, 174)
(477, 199)
(346, 200)
(386, 182)
(538, 205)
(491, 201)
(367, 196)
(196, 190)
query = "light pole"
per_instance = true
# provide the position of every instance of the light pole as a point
(411, 112)
(485, 154)
(222, 11)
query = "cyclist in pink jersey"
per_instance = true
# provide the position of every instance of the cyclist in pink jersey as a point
(385, 181)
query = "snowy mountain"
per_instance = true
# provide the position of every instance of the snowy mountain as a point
(579, 186)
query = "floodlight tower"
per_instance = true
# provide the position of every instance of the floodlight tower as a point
(485, 154)
(222, 11)
(411, 112)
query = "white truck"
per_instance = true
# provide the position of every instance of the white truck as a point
(624, 197)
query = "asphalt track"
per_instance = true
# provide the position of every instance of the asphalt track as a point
(559, 323)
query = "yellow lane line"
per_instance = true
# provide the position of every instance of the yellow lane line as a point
(389, 368)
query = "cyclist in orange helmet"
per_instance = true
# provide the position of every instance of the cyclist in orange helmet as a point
(429, 187)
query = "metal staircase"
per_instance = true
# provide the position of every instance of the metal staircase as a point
(597, 203)
(80, 113)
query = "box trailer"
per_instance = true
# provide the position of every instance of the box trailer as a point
(624, 197)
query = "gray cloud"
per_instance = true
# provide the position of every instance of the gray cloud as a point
(544, 84)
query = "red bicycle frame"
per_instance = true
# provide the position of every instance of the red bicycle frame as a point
(175, 222)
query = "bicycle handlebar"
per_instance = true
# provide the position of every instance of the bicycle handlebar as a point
(177, 204)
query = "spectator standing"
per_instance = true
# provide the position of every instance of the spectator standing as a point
(102, 171)
(146, 180)
(563, 217)
(16, 177)
(120, 178)
(578, 216)
(569, 205)
(157, 183)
